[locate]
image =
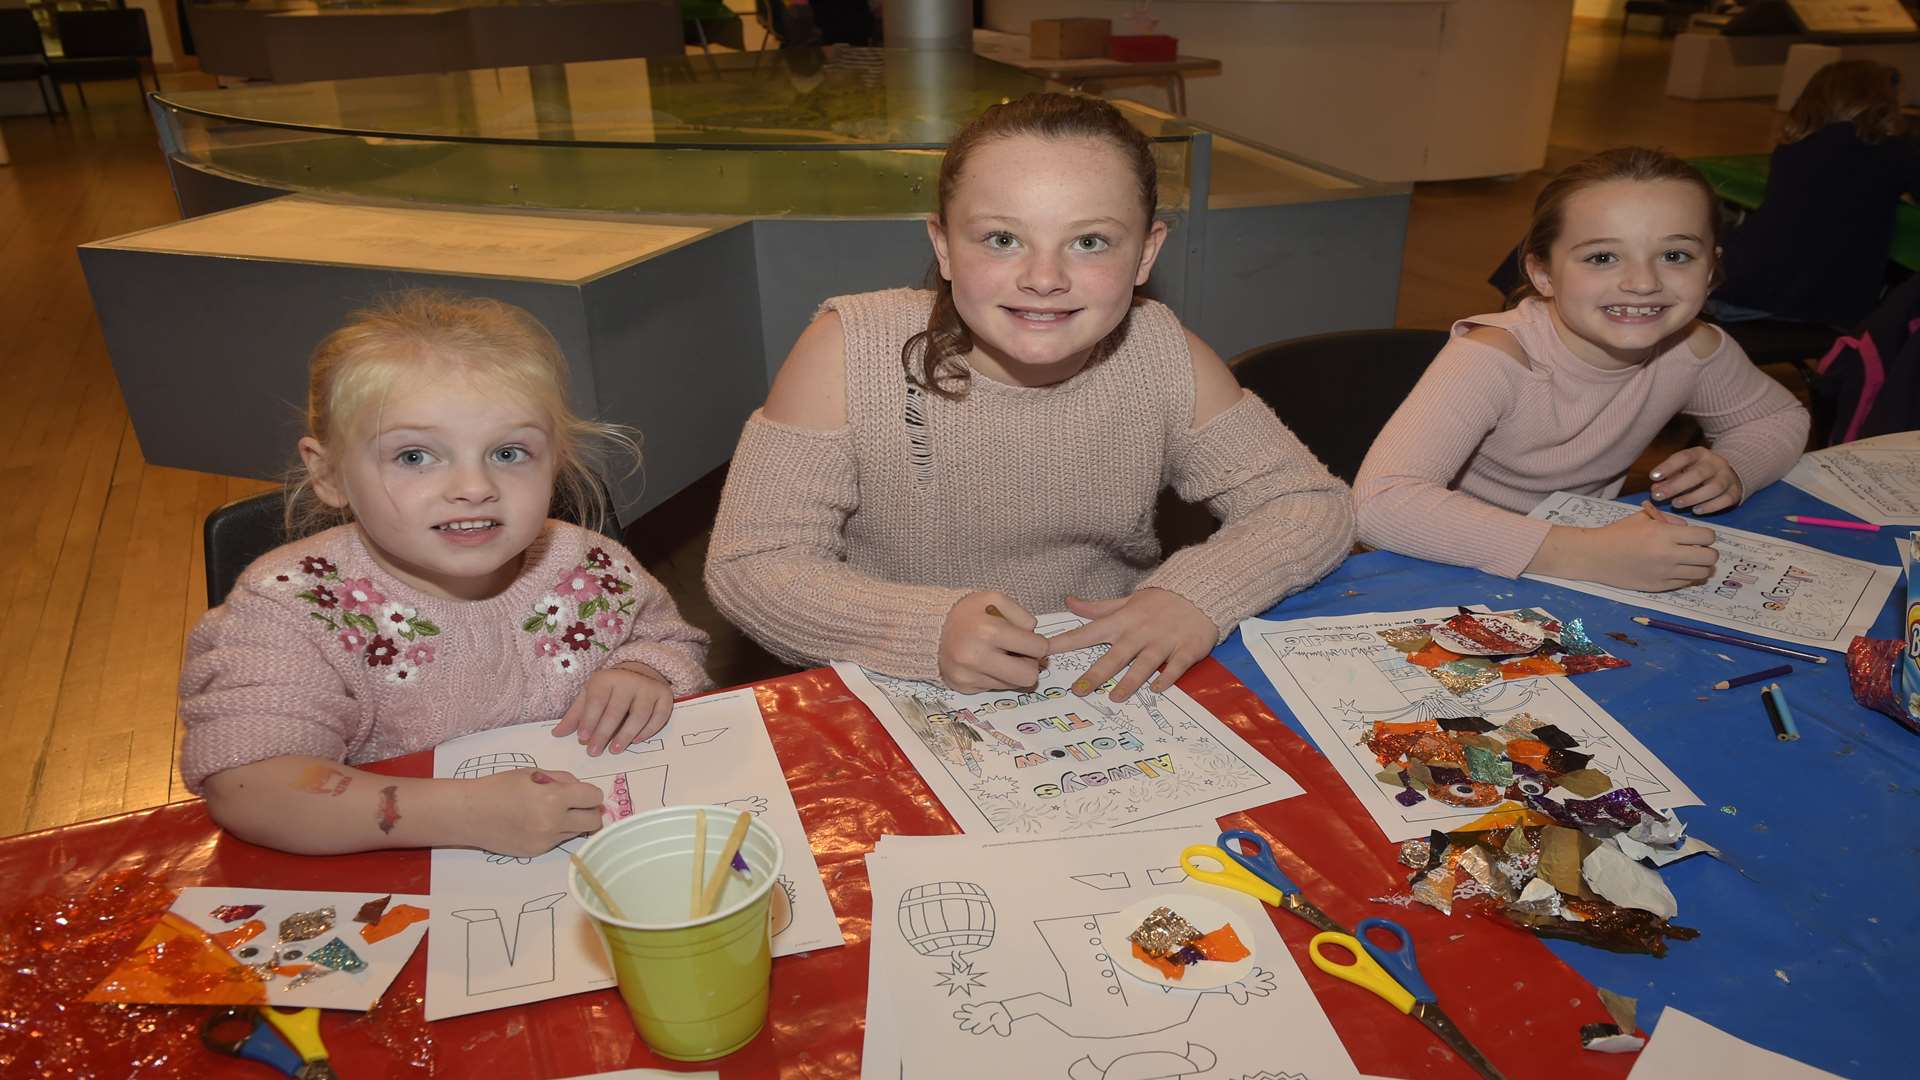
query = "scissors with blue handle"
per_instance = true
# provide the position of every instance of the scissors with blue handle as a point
(1395, 977)
(1253, 871)
(287, 1042)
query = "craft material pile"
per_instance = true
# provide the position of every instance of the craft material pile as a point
(1475, 649)
(1170, 944)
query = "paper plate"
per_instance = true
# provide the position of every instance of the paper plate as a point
(1528, 635)
(1206, 917)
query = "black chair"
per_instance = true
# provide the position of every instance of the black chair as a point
(1336, 391)
(245, 529)
(23, 55)
(102, 45)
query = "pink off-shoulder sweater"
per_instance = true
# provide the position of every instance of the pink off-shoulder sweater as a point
(318, 652)
(1483, 437)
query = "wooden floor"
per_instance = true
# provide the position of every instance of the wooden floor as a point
(100, 561)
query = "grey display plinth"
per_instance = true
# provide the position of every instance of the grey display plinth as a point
(673, 326)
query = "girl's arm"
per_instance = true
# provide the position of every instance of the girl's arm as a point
(1402, 494)
(312, 806)
(776, 565)
(1749, 418)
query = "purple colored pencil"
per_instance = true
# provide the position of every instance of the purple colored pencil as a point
(1743, 680)
(1729, 639)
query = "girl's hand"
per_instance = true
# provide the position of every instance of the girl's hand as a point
(1698, 479)
(1152, 630)
(621, 705)
(1648, 551)
(988, 643)
(528, 812)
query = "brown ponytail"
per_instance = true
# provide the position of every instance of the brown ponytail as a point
(935, 358)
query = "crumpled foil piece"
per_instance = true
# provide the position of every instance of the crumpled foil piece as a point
(1575, 639)
(1596, 922)
(1478, 866)
(1163, 932)
(1416, 854)
(1538, 898)
(1435, 889)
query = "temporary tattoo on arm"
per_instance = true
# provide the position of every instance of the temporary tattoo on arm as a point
(389, 808)
(322, 780)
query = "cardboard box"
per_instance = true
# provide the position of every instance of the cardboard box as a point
(1070, 39)
(1144, 48)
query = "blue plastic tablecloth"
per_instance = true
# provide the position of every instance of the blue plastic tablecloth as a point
(1810, 918)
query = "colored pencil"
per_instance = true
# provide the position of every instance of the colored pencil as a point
(1792, 732)
(718, 878)
(599, 890)
(1742, 680)
(1773, 714)
(1832, 523)
(1729, 639)
(699, 863)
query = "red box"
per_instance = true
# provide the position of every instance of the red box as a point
(1143, 48)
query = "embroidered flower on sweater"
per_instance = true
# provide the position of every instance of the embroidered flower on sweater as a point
(591, 601)
(363, 621)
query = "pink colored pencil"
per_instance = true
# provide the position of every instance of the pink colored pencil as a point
(1831, 523)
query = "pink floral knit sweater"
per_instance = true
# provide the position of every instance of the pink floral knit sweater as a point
(1483, 438)
(317, 652)
(853, 544)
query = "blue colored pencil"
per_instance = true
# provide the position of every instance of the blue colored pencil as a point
(1729, 639)
(1786, 714)
(1743, 680)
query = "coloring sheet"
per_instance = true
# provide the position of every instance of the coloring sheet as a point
(993, 956)
(505, 931)
(1683, 1047)
(289, 947)
(1771, 588)
(1875, 480)
(1048, 763)
(1340, 677)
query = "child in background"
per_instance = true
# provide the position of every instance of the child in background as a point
(1816, 249)
(445, 602)
(932, 468)
(1564, 391)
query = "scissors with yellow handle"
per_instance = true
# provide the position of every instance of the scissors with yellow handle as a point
(287, 1042)
(1395, 977)
(1247, 865)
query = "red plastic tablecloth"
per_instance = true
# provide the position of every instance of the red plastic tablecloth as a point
(1517, 1002)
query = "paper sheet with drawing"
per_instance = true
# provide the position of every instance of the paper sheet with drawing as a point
(1048, 762)
(505, 932)
(1876, 480)
(994, 953)
(1340, 678)
(1773, 588)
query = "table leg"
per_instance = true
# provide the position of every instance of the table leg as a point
(4, 159)
(1177, 93)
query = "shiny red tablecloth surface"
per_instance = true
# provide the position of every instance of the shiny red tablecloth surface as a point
(1518, 1003)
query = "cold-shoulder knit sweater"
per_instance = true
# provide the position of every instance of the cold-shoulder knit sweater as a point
(1483, 437)
(853, 544)
(319, 652)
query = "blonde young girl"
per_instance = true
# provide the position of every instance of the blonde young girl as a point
(446, 602)
(1564, 392)
(933, 468)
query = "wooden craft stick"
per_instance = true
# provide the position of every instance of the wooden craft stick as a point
(718, 879)
(599, 890)
(699, 863)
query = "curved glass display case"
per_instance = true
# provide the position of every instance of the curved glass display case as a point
(834, 132)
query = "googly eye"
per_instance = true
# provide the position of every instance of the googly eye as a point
(1464, 791)
(291, 954)
(1532, 787)
(248, 952)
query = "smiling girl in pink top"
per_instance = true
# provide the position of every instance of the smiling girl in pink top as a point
(1564, 391)
(446, 603)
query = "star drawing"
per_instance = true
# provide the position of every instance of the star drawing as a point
(962, 979)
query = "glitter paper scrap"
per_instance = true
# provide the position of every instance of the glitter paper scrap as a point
(397, 918)
(1488, 768)
(312, 974)
(1554, 737)
(739, 862)
(1409, 639)
(1575, 639)
(231, 913)
(306, 925)
(1527, 667)
(1580, 664)
(371, 911)
(1416, 854)
(1585, 783)
(1462, 682)
(339, 956)
(1409, 797)
(1484, 634)
(1475, 725)
(1466, 793)
(1163, 932)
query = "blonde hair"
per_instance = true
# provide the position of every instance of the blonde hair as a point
(1862, 91)
(356, 368)
(1636, 163)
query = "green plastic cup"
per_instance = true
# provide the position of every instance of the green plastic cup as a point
(697, 988)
